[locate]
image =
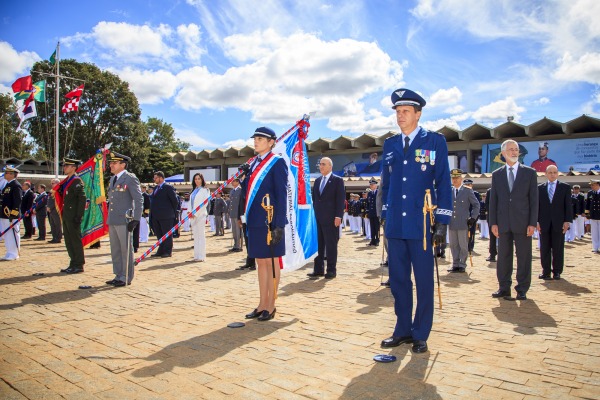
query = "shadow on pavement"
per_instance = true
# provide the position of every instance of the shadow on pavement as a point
(526, 315)
(57, 297)
(221, 275)
(28, 278)
(305, 286)
(375, 301)
(199, 350)
(568, 288)
(388, 381)
(457, 279)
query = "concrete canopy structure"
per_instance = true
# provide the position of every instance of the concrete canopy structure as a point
(462, 143)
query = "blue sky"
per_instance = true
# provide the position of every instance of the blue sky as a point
(216, 70)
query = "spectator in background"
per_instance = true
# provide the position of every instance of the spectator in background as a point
(234, 213)
(163, 209)
(53, 216)
(198, 221)
(26, 204)
(219, 209)
(41, 205)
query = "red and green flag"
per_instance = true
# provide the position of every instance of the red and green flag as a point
(93, 224)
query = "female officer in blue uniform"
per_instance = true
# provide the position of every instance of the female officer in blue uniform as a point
(268, 174)
(413, 161)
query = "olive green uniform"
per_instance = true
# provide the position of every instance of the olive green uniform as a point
(72, 214)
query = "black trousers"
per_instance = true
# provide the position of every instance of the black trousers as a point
(28, 226)
(328, 236)
(250, 261)
(136, 238)
(55, 225)
(493, 247)
(160, 227)
(72, 235)
(507, 242)
(552, 251)
(374, 229)
(41, 223)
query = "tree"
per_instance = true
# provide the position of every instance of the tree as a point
(13, 143)
(108, 113)
(162, 141)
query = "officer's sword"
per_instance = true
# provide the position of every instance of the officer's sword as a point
(266, 204)
(470, 255)
(428, 207)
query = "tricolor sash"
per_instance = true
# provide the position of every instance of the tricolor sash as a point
(257, 176)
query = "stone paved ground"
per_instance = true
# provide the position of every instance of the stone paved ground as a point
(166, 336)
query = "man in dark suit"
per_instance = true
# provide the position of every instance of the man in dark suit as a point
(41, 203)
(513, 216)
(493, 239)
(26, 204)
(328, 195)
(372, 212)
(163, 209)
(554, 218)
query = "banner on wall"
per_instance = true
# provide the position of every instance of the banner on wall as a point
(580, 155)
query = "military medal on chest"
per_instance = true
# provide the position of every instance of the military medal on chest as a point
(432, 157)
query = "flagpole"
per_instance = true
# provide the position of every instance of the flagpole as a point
(57, 109)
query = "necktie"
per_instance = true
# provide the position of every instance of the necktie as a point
(323, 181)
(551, 190)
(258, 160)
(406, 144)
(511, 178)
(455, 192)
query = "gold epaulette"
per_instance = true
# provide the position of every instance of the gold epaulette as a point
(14, 212)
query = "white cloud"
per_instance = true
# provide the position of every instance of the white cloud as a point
(194, 138)
(541, 101)
(129, 41)
(585, 68)
(239, 143)
(190, 36)
(440, 123)
(445, 97)
(454, 109)
(294, 75)
(150, 87)
(14, 64)
(499, 110)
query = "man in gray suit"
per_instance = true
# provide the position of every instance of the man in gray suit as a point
(513, 216)
(462, 200)
(234, 213)
(124, 194)
(219, 210)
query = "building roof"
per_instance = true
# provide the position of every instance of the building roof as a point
(543, 127)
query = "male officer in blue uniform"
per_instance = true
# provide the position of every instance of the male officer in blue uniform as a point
(372, 212)
(413, 161)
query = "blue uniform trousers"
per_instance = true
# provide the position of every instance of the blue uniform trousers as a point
(402, 254)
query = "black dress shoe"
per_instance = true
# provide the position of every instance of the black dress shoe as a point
(111, 282)
(252, 268)
(74, 270)
(453, 269)
(254, 314)
(501, 293)
(395, 341)
(545, 277)
(521, 296)
(265, 316)
(165, 256)
(65, 269)
(53, 241)
(156, 255)
(118, 283)
(386, 283)
(419, 346)
(330, 275)
(25, 237)
(556, 277)
(315, 275)
(38, 239)
(491, 259)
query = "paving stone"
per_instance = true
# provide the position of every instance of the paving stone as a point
(166, 335)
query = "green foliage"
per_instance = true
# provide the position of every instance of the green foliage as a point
(162, 141)
(12, 143)
(108, 113)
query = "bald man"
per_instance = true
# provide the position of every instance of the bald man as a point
(554, 219)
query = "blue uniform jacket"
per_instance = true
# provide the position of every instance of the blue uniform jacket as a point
(274, 183)
(404, 180)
